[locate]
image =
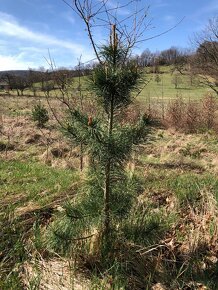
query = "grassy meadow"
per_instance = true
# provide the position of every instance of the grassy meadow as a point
(189, 87)
(169, 239)
(165, 89)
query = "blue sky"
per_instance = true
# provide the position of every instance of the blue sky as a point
(29, 28)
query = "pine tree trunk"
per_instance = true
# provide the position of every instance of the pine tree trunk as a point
(81, 157)
(107, 200)
(107, 190)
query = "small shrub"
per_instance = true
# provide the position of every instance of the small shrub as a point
(177, 80)
(155, 69)
(157, 78)
(175, 113)
(192, 117)
(209, 107)
(40, 115)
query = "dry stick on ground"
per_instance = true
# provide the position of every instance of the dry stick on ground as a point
(47, 141)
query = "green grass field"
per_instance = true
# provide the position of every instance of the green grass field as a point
(165, 90)
(170, 235)
(161, 91)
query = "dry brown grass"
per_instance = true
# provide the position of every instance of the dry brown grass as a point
(54, 274)
(173, 149)
(172, 258)
(22, 140)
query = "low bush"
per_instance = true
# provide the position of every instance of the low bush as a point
(192, 116)
(40, 115)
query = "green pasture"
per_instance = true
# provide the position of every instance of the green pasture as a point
(165, 90)
(152, 90)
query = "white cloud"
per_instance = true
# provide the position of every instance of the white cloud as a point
(25, 47)
(9, 27)
(33, 50)
(14, 62)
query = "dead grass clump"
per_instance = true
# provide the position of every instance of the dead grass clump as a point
(186, 255)
(29, 214)
(203, 221)
(71, 163)
(53, 274)
(61, 157)
(158, 286)
(215, 164)
(32, 138)
(6, 146)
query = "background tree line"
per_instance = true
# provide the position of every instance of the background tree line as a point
(202, 61)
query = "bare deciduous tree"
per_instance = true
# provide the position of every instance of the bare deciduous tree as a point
(16, 82)
(205, 61)
(97, 14)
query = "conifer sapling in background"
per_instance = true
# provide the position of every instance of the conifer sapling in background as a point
(40, 115)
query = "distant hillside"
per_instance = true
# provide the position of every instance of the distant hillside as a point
(49, 74)
(21, 73)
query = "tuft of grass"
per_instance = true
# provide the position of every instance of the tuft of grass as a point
(188, 187)
(32, 181)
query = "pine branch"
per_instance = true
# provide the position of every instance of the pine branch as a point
(72, 239)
